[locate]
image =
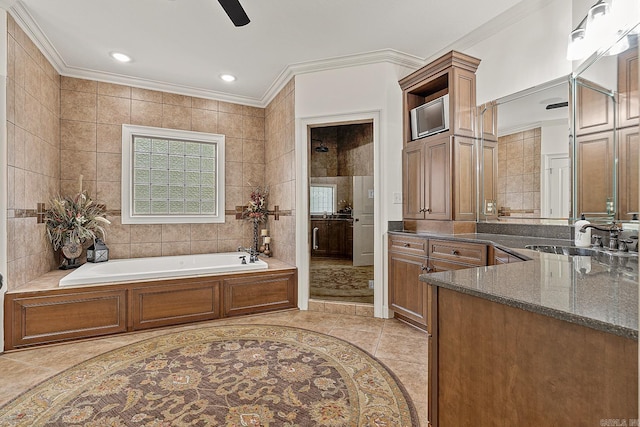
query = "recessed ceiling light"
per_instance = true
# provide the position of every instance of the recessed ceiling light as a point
(227, 77)
(120, 57)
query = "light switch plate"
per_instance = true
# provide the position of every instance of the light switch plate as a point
(397, 198)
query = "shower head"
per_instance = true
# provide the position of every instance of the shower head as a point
(320, 148)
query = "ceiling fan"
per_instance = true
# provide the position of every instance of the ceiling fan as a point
(235, 11)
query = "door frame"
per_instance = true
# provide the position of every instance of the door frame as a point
(544, 180)
(303, 242)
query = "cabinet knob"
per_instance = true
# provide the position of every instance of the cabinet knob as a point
(455, 252)
(428, 210)
(425, 268)
(406, 245)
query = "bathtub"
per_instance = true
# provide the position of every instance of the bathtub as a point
(136, 269)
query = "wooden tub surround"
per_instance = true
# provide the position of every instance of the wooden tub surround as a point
(43, 313)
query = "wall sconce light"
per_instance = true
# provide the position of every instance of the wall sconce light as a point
(604, 25)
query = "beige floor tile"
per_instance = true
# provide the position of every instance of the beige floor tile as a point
(360, 323)
(18, 377)
(366, 340)
(402, 348)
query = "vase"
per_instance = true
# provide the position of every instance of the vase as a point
(255, 235)
(70, 252)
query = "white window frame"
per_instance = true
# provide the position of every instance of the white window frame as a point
(128, 132)
(335, 198)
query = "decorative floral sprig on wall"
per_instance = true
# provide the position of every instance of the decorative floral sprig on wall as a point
(257, 208)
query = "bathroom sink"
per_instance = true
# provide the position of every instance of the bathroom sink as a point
(563, 250)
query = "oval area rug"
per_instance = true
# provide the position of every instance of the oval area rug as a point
(239, 375)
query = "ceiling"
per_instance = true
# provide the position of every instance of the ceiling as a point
(184, 45)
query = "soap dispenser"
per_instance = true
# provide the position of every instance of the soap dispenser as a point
(581, 239)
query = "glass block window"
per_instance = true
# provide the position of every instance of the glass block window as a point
(171, 176)
(323, 198)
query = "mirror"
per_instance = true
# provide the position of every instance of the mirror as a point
(565, 147)
(605, 137)
(527, 149)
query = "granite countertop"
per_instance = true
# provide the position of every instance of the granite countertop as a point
(575, 289)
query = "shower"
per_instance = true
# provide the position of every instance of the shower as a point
(320, 148)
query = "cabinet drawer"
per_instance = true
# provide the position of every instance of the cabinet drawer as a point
(438, 265)
(408, 245)
(469, 253)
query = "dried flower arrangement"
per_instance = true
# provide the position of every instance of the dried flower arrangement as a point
(257, 208)
(74, 219)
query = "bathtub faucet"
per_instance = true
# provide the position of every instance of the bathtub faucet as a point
(253, 254)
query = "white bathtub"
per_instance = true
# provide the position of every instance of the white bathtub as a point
(135, 269)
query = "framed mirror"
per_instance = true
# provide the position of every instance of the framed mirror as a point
(525, 154)
(565, 147)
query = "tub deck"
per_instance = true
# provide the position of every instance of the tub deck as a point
(41, 312)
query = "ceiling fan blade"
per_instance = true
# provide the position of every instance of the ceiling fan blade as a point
(235, 11)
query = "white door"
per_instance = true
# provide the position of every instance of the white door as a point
(363, 197)
(558, 186)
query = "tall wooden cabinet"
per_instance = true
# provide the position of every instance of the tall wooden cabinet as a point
(606, 130)
(439, 171)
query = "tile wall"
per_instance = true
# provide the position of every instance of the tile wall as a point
(33, 151)
(519, 172)
(91, 118)
(280, 171)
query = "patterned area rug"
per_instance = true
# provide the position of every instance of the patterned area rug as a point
(336, 279)
(230, 376)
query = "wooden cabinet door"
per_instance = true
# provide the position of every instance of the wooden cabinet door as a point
(464, 178)
(628, 152)
(594, 112)
(34, 319)
(594, 173)
(153, 306)
(413, 181)
(463, 105)
(407, 294)
(437, 170)
(257, 294)
(321, 237)
(628, 102)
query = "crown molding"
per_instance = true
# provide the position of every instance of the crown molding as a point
(385, 55)
(507, 18)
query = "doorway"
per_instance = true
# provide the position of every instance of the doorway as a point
(341, 212)
(556, 202)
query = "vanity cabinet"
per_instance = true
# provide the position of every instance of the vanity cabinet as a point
(411, 256)
(498, 256)
(594, 110)
(628, 152)
(439, 178)
(628, 92)
(407, 294)
(439, 171)
(426, 179)
(459, 254)
(331, 237)
(595, 174)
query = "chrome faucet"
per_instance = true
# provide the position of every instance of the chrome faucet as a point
(253, 254)
(613, 230)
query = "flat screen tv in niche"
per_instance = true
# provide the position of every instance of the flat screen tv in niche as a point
(430, 118)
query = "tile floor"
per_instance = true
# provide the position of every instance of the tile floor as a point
(402, 348)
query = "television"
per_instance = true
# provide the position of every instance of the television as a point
(430, 118)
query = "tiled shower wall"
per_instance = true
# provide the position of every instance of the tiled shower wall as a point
(33, 153)
(519, 172)
(280, 171)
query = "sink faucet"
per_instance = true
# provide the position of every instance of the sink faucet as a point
(613, 230)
